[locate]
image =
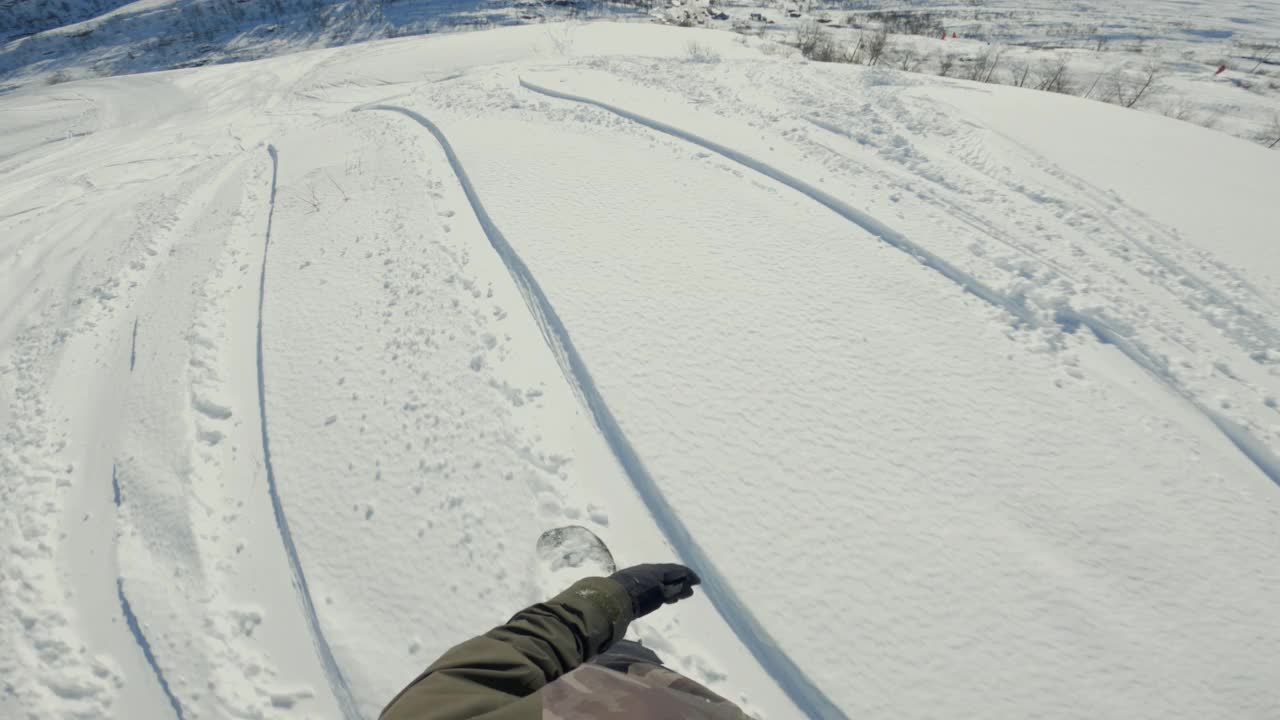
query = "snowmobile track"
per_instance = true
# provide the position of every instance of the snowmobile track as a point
(1257, 452)
(337, 682)
(802, 691)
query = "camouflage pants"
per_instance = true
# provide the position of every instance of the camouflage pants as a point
(624, 654)
(628, 682)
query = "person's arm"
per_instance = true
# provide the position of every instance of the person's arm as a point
(514, 661)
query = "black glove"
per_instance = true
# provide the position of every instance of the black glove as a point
(650, 586)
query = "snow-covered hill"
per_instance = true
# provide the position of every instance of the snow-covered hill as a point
(964, 399)
(24, 17)
(1213, 64)
(53, 44)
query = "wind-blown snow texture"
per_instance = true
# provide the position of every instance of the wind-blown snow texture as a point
(791, 678)
(963, 398)
(1068, 319)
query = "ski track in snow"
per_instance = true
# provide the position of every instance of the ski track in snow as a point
(136, 630)
(789, 676)
(133, 346)
(1257, 327)
(1068, 319)
(159, 639)
(891, 237)
(337, 681)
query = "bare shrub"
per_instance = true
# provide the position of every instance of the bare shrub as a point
(1130, 87)
(984, 65)
(1094, 85)
(909, 59)
(877, 45)
(808, 35)
(697, 52)
(993, 62)
(855, 55)
(1179, 109)
(830, 51)
(1263, 53)
(816, 43)
(773, 49)
(908, 22)
(1271, 136)
(1055, 76)
(1020, 72)
(946, 63)
(975, 69)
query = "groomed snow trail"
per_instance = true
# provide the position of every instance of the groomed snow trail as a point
(337, 681)
(1068, 319)
(789, 676)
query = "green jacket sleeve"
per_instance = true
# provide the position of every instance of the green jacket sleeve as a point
(513, 661)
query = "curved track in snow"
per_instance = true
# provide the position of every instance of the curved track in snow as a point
(790, 677)
(1068, 319)
(337, 681)
(135, 629)
(131, 620)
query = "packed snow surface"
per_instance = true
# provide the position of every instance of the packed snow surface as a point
(962, 398)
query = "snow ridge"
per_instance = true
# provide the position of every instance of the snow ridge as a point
(337, 681)
(811, 701)
(132, 621)
(1257, 453)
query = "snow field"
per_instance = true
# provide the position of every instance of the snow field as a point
(1100, 46)
(1105, 45)
(721, 292)
(930, 502)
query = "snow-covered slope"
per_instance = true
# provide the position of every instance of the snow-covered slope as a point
(24, 17)
(962, 398)
(1210, 63)
(57, 42)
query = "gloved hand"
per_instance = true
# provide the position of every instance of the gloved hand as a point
(650, 586)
